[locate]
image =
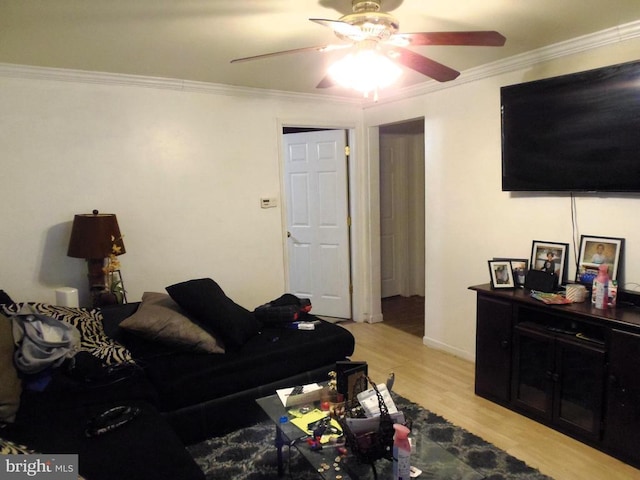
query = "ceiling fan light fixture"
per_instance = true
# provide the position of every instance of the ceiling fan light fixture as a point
(380, 50)
(365, 5)
(366, 70)
(366, 26)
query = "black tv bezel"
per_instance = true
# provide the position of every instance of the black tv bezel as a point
(612, 75)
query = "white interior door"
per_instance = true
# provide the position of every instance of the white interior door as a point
(317, 220)
(393, 215)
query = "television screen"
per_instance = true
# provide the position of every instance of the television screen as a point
(577, 132)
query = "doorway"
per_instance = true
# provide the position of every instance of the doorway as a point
(402, 223)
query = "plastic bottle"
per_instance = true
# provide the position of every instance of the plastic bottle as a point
(601, 287)
(401, 453)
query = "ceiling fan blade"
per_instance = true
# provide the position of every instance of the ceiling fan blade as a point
(475, 38)
(321, 48)
(424, 65)
(326, 82)
(341, 28)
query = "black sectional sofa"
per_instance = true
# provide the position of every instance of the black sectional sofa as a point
(165, 358)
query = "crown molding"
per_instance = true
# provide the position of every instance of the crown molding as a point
(584, 43)
(103, 78)
(618, 34)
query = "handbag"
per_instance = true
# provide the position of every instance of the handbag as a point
(41, 341)
(284, 309)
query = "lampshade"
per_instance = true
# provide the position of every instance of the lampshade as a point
(93, 235)
(366, 70)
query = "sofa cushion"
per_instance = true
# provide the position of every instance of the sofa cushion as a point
(204, 299)
(144, 448)
(11, 384)
(159, 318)
(274, 354)
(89, 323)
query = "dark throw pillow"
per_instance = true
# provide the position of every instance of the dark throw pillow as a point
(5, 298)
(204, 299)
(160, 318)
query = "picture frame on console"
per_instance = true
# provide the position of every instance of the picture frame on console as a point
(550, 257)
(351, 379)
(595, 251)
(501, 274)
(519, 266)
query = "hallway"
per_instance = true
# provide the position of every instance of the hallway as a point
(404, 313)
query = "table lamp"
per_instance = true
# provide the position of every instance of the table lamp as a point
(95, 236)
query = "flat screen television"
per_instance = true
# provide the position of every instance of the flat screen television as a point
(573, 133)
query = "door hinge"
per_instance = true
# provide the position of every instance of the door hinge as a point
(348, 221)
(350, 289)
(347, 150)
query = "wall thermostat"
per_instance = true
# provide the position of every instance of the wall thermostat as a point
(268, 202)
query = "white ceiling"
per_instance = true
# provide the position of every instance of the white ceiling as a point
(196, 39)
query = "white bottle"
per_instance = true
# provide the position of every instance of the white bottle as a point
(601, 288)
(401, 453)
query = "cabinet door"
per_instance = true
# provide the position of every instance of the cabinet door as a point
(579, 387)
(534, 376)
(622, 430)
(493, 349)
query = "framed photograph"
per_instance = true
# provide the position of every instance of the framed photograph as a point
(596, 251)
(501, 274)
(351, 379)
(519, 267)
(550, 257)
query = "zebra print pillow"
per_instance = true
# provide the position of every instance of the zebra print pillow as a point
(89, 324)
(7, 447)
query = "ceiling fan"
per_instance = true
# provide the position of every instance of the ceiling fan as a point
(368, 28)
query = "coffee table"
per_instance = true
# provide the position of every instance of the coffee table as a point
(427, 455)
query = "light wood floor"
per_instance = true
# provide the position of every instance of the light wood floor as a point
(443, 384)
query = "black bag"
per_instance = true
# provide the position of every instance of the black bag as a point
(541, 281)
(285, 309)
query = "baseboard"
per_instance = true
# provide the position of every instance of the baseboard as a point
(429, 342)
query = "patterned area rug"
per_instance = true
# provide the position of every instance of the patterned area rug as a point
(249, 453)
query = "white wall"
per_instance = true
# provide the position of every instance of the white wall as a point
(183, 171)
(469, 220)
